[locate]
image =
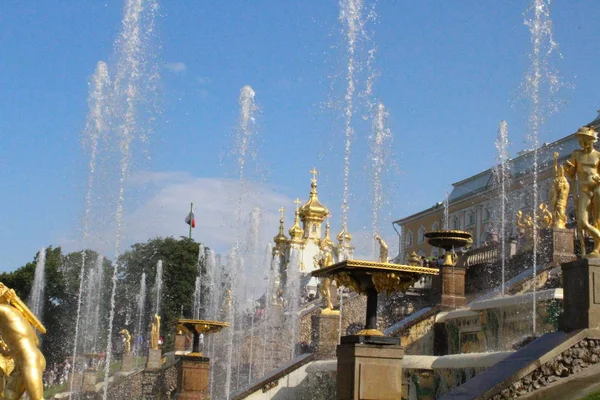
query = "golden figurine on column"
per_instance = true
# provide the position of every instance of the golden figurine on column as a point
(155, 332)
(583, 168)
(559, 194)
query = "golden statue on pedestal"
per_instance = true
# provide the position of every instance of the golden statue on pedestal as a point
(155, 332)
(559, 194)
(383, 250)
(127, 341)
(325, 259)
(21, 362)
(583, 168)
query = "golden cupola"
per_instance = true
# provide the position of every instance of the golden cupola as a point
(280, 239)
(296, 233)
(313, 213)
(326, 242)
(344, 237)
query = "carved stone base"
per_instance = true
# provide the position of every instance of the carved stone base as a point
(581, 301)
(180, 343)
(453, 287)
(558, 246)
(367, 371)
(127, 363)
(154, 359)
(325, 330)
(193, 378)
(90, 378)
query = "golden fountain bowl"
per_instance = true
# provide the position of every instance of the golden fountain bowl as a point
(200, 326)
(360, 276)
(449, 239)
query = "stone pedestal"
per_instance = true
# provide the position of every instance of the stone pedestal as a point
(193, 378)
(90, 377)
(127, 362)
(154, 359)
(367, 371)
(453, 286)
(558, 246)
(581, 301)
(180, 343)
(325, 331)
(75, 381)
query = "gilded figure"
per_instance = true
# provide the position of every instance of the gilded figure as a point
(155, 332)
(21, 362)
(583, 168)
(383, 250)
(126, 341)
(545, 216)
(559, 195)
(325, 260)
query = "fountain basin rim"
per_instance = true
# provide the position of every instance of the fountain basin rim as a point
(372, 266)
(445, 232)
(201, 325)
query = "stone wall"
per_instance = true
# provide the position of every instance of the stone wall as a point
(139, 385)
(571, 361)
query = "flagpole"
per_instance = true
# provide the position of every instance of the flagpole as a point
(191, 210)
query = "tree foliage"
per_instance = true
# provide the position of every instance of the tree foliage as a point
(61, 297)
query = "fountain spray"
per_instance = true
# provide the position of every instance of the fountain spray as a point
(36, 298)
(380, 145)
(543, 45)
(95, 127)
(243, 142)
(131, 70)
(351, 18)
(158, 284)
(502, 176)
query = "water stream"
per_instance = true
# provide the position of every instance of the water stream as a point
(36, 297)
(503, 182)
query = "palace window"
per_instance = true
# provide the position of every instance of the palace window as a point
(455, 224)
(435, 226)
(470, 218)
(409, 239)
(421, 234)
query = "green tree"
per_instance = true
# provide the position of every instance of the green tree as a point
(180, 266)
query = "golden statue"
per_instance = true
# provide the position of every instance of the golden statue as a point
(155, 332)
(383, 250)
(559, 194)
(525, 228)
(127, 342)
(545, 216)
(21, 362)
(583, 168)
(325, 259)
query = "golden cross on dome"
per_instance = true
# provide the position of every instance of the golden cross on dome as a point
(281, 210)
(297, 202)
(314, 173)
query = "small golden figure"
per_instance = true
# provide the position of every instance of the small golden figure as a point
(545, 216)
(559, 195)
(325, 260)
(155, 332)
(583, 168)
(126, 342)
(383, 250)
(525, 228)
(19, 348)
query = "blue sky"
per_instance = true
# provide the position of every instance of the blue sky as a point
(448, 73)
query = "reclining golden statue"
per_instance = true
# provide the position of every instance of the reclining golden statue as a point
(21, 361)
